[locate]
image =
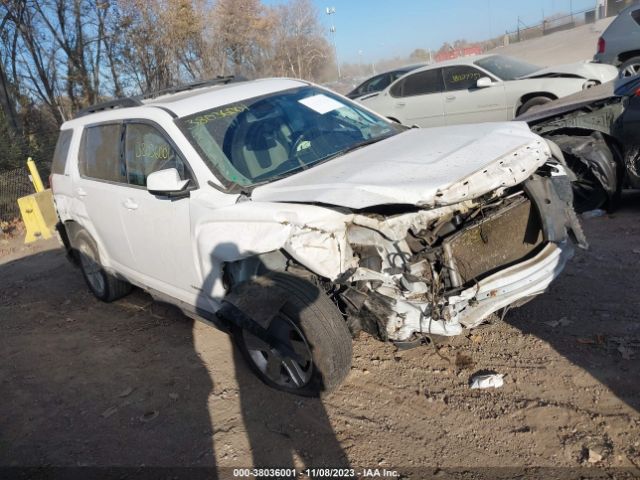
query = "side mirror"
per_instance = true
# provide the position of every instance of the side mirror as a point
(167, 183)
(484, 82)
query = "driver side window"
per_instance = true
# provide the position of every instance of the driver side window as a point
(461, 77)
(147, 151)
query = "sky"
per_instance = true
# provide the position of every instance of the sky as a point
(370, 30)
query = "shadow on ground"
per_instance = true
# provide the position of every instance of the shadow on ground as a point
(122, 384)
(589, 315)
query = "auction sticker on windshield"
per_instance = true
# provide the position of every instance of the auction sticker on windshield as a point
(321, 103)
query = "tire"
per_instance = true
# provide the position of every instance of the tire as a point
(533, 102)
(314, 328)
(588, 193)
(103, 285)
(630, 68)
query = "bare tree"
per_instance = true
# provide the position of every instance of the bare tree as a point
(67, 54)
(243, 29)
(301, 49)
(7, 98)
(56, 46)
(163, 41)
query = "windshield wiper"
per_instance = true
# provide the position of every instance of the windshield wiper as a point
(358, 145)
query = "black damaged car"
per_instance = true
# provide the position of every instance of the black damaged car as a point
(598, 131)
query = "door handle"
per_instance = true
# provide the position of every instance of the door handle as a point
(450, 98)
(130, 204)
(400, 104)
(81, 192)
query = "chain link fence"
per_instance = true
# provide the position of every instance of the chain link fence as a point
(14, 183)
(14, 174)
(551, 25)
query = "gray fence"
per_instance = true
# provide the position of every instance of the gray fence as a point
(551, 25)
(14, 184)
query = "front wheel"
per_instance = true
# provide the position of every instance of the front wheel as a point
(310, 325)
(533, 102)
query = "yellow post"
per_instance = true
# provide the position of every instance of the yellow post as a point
(38, 214)
(37, 210)
(35, 176)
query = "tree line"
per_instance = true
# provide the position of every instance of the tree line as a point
(58, 56)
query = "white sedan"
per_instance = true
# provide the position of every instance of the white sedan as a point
(483, 88)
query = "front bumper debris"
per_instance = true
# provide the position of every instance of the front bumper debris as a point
(502, 253)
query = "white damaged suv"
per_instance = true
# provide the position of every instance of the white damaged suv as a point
(295, 218)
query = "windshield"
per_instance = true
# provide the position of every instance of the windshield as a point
(264, 138)
(506, 68)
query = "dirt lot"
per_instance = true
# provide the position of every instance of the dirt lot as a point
(136, 383)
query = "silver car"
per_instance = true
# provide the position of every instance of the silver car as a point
(619, 44)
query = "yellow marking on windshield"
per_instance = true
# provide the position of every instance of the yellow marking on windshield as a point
(205, 118)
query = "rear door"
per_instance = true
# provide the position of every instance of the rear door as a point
(464, 102)
(97, 190)
(417, 99)
(157, 228)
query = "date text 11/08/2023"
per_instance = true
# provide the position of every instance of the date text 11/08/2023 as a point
(315, 473)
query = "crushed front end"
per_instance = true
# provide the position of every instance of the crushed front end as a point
(435, 271)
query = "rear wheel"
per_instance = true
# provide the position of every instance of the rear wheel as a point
(630, 68)
(310, 325)
(103, 285)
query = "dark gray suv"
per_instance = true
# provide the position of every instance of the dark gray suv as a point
(619, 44)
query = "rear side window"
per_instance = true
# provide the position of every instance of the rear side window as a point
(636, 16)
(461, 77)
(100, 153)
(147, 151)
(61, 152)
(421, 83)
(374, 84)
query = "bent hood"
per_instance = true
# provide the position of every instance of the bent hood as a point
(587, 70)
(422, 167)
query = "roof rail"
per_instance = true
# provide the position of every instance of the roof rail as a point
(110, 105)
(137, 100)
(219, 80)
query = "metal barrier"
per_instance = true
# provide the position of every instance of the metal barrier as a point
(14, 184)
(550, 25)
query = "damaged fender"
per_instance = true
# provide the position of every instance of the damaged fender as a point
(314, 236)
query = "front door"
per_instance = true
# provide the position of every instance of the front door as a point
(464, 102)
(158, 228)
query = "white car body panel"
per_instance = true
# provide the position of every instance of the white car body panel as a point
(422, 110)
(558, 87)
(475, 106)
(158, 233)
(586, 69)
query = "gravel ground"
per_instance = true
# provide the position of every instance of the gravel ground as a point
(136, 383)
